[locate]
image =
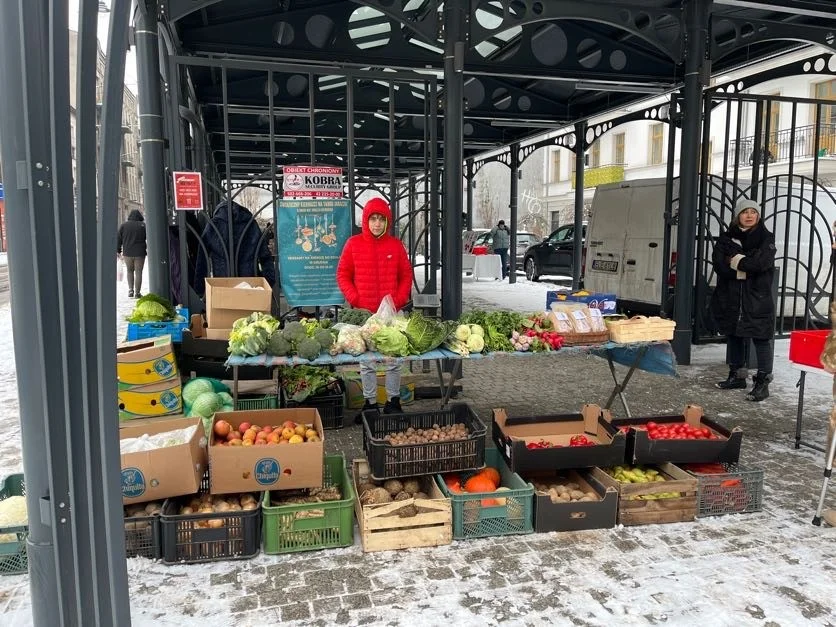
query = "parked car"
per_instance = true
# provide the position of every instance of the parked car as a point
(524, 240)
(554, 255)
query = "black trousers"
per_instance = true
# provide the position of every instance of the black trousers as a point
(738, 347)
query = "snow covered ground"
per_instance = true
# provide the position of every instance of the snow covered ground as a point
(768, 568)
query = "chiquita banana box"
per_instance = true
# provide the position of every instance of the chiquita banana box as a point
(143, 362)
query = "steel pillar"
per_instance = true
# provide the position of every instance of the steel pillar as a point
(696, 71)
(513, 205)
(454, 49)
(577, 260)
(62, 312)
(152, 148)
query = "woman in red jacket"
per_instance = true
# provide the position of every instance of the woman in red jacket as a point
(374, 264)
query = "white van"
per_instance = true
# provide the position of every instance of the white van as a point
(625, 241)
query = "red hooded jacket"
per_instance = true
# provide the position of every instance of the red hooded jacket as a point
(371, 267)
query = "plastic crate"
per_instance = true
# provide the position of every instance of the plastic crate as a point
(311, 526)
(737, 491)
(142, 537)
(477, 516)
(187, 539)
(256, 402)
(13, 558)
(388, 462)
(806, 347)
(145, 330)
(331, 405)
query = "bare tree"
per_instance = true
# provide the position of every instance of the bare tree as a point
(487, 210)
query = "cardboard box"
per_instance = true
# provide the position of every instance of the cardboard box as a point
(603, 301)
(225, 303)
(575, 516)
(235, 469)
(165, 472)
(142, 362)
(512, 435)
(642, 450)
(146, 401)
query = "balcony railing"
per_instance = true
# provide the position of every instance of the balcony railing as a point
(593, 177)
(782, 144)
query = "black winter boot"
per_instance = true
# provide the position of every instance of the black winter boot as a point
(760, 390)
(393, 406)
(367, 406)
(735, 381)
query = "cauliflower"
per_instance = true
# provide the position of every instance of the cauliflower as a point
(475, 343)
(13, 514)
(350, 340)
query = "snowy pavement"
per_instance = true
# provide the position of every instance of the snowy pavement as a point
(767, 568)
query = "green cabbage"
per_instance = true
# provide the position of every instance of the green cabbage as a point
(194, 388)
(225, 397)
(424, 334)
(206, 404)
(149, 311)
(390, 341)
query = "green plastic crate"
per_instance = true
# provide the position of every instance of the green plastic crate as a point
(471, 519)
(13, 558)
(312, 526)
(252, 403)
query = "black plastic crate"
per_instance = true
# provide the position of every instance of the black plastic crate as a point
(388, 462)
(142, 537)
(329, 404)
(192, 538)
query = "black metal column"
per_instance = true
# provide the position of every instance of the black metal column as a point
(577, 261)
(454, 48)
(152, 149)
(513, 205)
(696, 20)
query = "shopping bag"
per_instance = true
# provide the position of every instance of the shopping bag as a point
(120, 271)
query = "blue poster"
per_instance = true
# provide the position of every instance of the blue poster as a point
(311, 236)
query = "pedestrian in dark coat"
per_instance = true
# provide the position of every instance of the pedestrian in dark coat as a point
(250, 257)
(132, 249)
(742, 303)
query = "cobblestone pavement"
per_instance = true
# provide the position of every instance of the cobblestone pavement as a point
(769, 568)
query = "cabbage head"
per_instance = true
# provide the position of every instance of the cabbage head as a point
(206, 404)
(424, 334)
(390, 341)
(149, 311)
(194, 388)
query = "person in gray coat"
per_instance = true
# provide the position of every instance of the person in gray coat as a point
(131, 247)
(501, 241)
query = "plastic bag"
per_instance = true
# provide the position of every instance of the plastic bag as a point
(350, 340)
(383, 317)
(120, 270)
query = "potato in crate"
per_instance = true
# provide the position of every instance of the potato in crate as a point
(316, 518)
(142, 530)
(423, 443)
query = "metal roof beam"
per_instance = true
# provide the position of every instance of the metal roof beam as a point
(811, 8)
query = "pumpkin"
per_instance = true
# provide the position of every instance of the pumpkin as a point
(493, 475)
(479, 483)
(452, 479)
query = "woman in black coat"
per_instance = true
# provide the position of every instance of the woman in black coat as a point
(742, 304)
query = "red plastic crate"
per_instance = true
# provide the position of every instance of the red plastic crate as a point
(806, 347)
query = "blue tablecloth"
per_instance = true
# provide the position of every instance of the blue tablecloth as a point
(658, 358)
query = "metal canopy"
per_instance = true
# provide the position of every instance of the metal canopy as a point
(529, 65)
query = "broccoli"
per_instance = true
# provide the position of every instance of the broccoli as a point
(354, 316)
(277, 345)
(294, 332)
(308, 348)
(324, 337)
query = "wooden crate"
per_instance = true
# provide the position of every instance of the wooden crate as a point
(633, 511)
(380, 531)
(641, 329)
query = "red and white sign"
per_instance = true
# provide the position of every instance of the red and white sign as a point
(310, 181)
(188, 191)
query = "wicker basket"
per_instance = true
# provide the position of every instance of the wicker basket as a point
(585, 339)
(641, 329)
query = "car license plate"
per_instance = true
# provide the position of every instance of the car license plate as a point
(604, 265)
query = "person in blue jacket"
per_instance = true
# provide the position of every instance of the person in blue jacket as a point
(251, 252)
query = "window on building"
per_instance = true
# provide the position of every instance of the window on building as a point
(657, 143)
(555, 173)
(827, 114)
(595, 155)
(618, 149)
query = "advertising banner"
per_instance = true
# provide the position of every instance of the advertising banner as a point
(188, 191)
(311, 236)
(307, 181)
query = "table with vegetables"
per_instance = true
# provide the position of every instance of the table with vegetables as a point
(362, 337)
